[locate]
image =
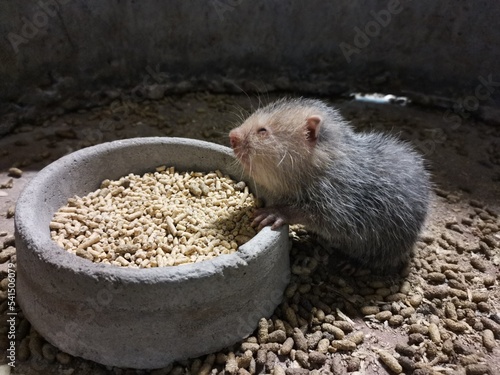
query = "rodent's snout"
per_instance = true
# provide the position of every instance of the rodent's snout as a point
(234, 139)
(239, 145)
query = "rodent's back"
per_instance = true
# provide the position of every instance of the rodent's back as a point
(374, 200)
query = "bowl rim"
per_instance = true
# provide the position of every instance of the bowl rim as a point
(44, 248)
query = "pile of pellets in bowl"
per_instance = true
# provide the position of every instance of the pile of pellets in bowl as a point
(159, 219)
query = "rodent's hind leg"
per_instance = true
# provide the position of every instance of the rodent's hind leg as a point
(278, 216)
(347, 266)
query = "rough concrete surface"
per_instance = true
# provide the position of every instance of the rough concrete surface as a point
(440, 316)
(62, 47)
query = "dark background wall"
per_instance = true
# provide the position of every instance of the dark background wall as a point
(53, 49)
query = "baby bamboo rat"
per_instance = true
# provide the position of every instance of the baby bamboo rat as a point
(366, 194)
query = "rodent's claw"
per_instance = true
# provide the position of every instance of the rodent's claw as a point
(278, 223)
(264, 217)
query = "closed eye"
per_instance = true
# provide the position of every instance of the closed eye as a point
(262, 131)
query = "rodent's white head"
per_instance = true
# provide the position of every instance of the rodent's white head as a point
(278, 145)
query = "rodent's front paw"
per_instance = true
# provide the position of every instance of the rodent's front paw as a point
(268, 216)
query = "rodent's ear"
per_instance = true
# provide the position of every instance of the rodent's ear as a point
(313, 123)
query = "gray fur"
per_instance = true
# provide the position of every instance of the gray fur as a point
(373, 202)
(370, 199)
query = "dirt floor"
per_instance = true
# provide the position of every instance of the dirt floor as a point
(440, 316)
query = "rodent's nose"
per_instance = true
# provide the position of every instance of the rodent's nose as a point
(234, 139)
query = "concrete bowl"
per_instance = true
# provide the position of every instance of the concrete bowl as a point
(139, 318)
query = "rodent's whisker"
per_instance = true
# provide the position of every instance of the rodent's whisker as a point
(291, 159)
(240, 117)
(283, 158)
